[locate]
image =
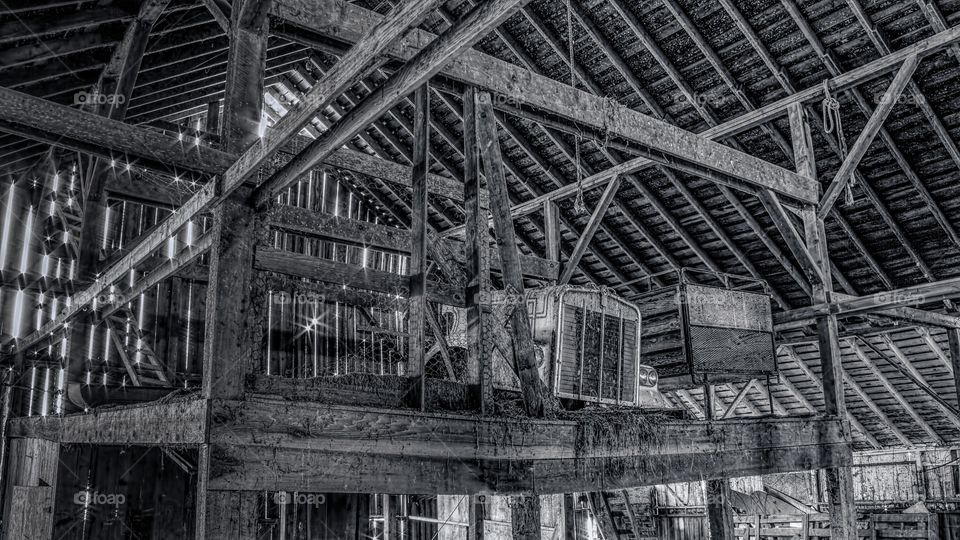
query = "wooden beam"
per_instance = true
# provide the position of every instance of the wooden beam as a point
(897, 396)
(480, 335)
(583, 242)
(81, 131)
(839, 480)
(860, 146)
(220, 13)
(531, 386)
(116, 84)
(229, 344)
(348, 275)
(737, 400)
(273, 444)
(819, 387)
(417, 305)
(353, 65)
(781, 219)
(551, 226)
(654, 139)
(391, 239)
(719, 508)
(913, 295)
(413, 74)
(175, 423)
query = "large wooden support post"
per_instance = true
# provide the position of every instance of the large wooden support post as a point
(839, 480)
(525, 516)
(417, 313)
(480, 332)
(229, 344)
(719, 509)
(525, 356)
(113, 91)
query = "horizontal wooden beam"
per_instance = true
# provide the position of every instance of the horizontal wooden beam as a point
(175, 423)
(913, 315)
(915, 295)
(654, 139)
(758, 116)
(275, 445)
(382, 237)
(74, 129)
(348, 275)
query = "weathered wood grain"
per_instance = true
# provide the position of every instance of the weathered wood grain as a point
(267, 444)
(176, 423)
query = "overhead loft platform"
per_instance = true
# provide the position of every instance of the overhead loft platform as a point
(264, 444)
(276, 445)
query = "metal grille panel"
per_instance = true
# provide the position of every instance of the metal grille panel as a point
(729, 351)
(581, 372)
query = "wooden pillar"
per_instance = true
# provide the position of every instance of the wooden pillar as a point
(719, 509)
(569, 516)
(229, 343)
(116, 82)
(417, 313)
(525, 516)
(480, 333)
(531, 386)
(839, 480)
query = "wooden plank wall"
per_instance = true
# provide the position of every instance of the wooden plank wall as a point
(33, 463)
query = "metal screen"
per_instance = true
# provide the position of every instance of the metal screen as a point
(730, 332)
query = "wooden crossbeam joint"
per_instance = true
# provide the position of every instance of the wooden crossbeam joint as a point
(874, 124)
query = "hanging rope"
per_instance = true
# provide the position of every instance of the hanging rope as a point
(578, 204)
(832, 122)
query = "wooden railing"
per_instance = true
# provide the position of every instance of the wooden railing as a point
(815, 526)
